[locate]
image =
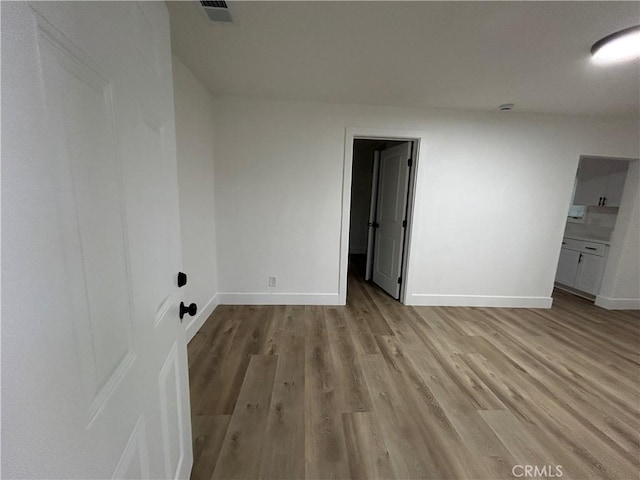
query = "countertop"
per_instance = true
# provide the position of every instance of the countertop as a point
(588, 238)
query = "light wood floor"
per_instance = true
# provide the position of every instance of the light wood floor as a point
(379, 390)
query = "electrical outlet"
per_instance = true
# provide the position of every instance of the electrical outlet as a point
(272, 281)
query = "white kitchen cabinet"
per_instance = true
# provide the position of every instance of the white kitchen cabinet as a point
(591, 181)
(600, 182)
(567, 266)
(589, 273)
(615, 183)
(581, 265)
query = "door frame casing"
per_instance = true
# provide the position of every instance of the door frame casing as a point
(419, 139)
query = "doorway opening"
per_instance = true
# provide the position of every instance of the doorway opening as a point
(592, 218)
(382, 182)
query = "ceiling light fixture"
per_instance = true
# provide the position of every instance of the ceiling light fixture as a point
(620, 46)
(505, 107)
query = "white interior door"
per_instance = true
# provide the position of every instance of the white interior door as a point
(94, 371)
(391, 209)
(371, 231)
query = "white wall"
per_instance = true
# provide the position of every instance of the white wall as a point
(360, 196)
(621, 281)
(492, 194)
(194, 143)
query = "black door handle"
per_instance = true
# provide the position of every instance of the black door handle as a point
(191, 309)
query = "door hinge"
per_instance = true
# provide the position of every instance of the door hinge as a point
(399, 280)
(410, 162)
(404, 224)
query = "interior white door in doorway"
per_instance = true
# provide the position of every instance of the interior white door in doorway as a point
(94, 368)
(391, 210)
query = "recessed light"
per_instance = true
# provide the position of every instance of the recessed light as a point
(506, 107)
(620, 46)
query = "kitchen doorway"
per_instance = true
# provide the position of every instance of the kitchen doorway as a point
(594, 232)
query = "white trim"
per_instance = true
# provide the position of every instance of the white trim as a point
(196, 323)
(424, 299)
(618, 303)
(352, 133)
(411, 206)
(233, 298)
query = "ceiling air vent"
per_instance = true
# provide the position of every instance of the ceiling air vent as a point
(217, 11)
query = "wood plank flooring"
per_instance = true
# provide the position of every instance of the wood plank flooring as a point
(380, 390)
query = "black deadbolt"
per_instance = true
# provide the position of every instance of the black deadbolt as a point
(191, 309)
(182, 279)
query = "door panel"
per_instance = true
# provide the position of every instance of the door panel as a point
(385, 255)
(81, 115)
(134, 462)
(158, 263)
(393, 186)
(589, 273)
(94, 367)
(172, 421)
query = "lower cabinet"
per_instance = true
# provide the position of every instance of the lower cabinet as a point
(581, 265)
(589, 274)
(567, 267)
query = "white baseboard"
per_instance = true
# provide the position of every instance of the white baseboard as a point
(196, 322)
(421, 299)
(278, 299)
(618, 303)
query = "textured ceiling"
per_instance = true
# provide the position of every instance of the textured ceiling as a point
(467, 55)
